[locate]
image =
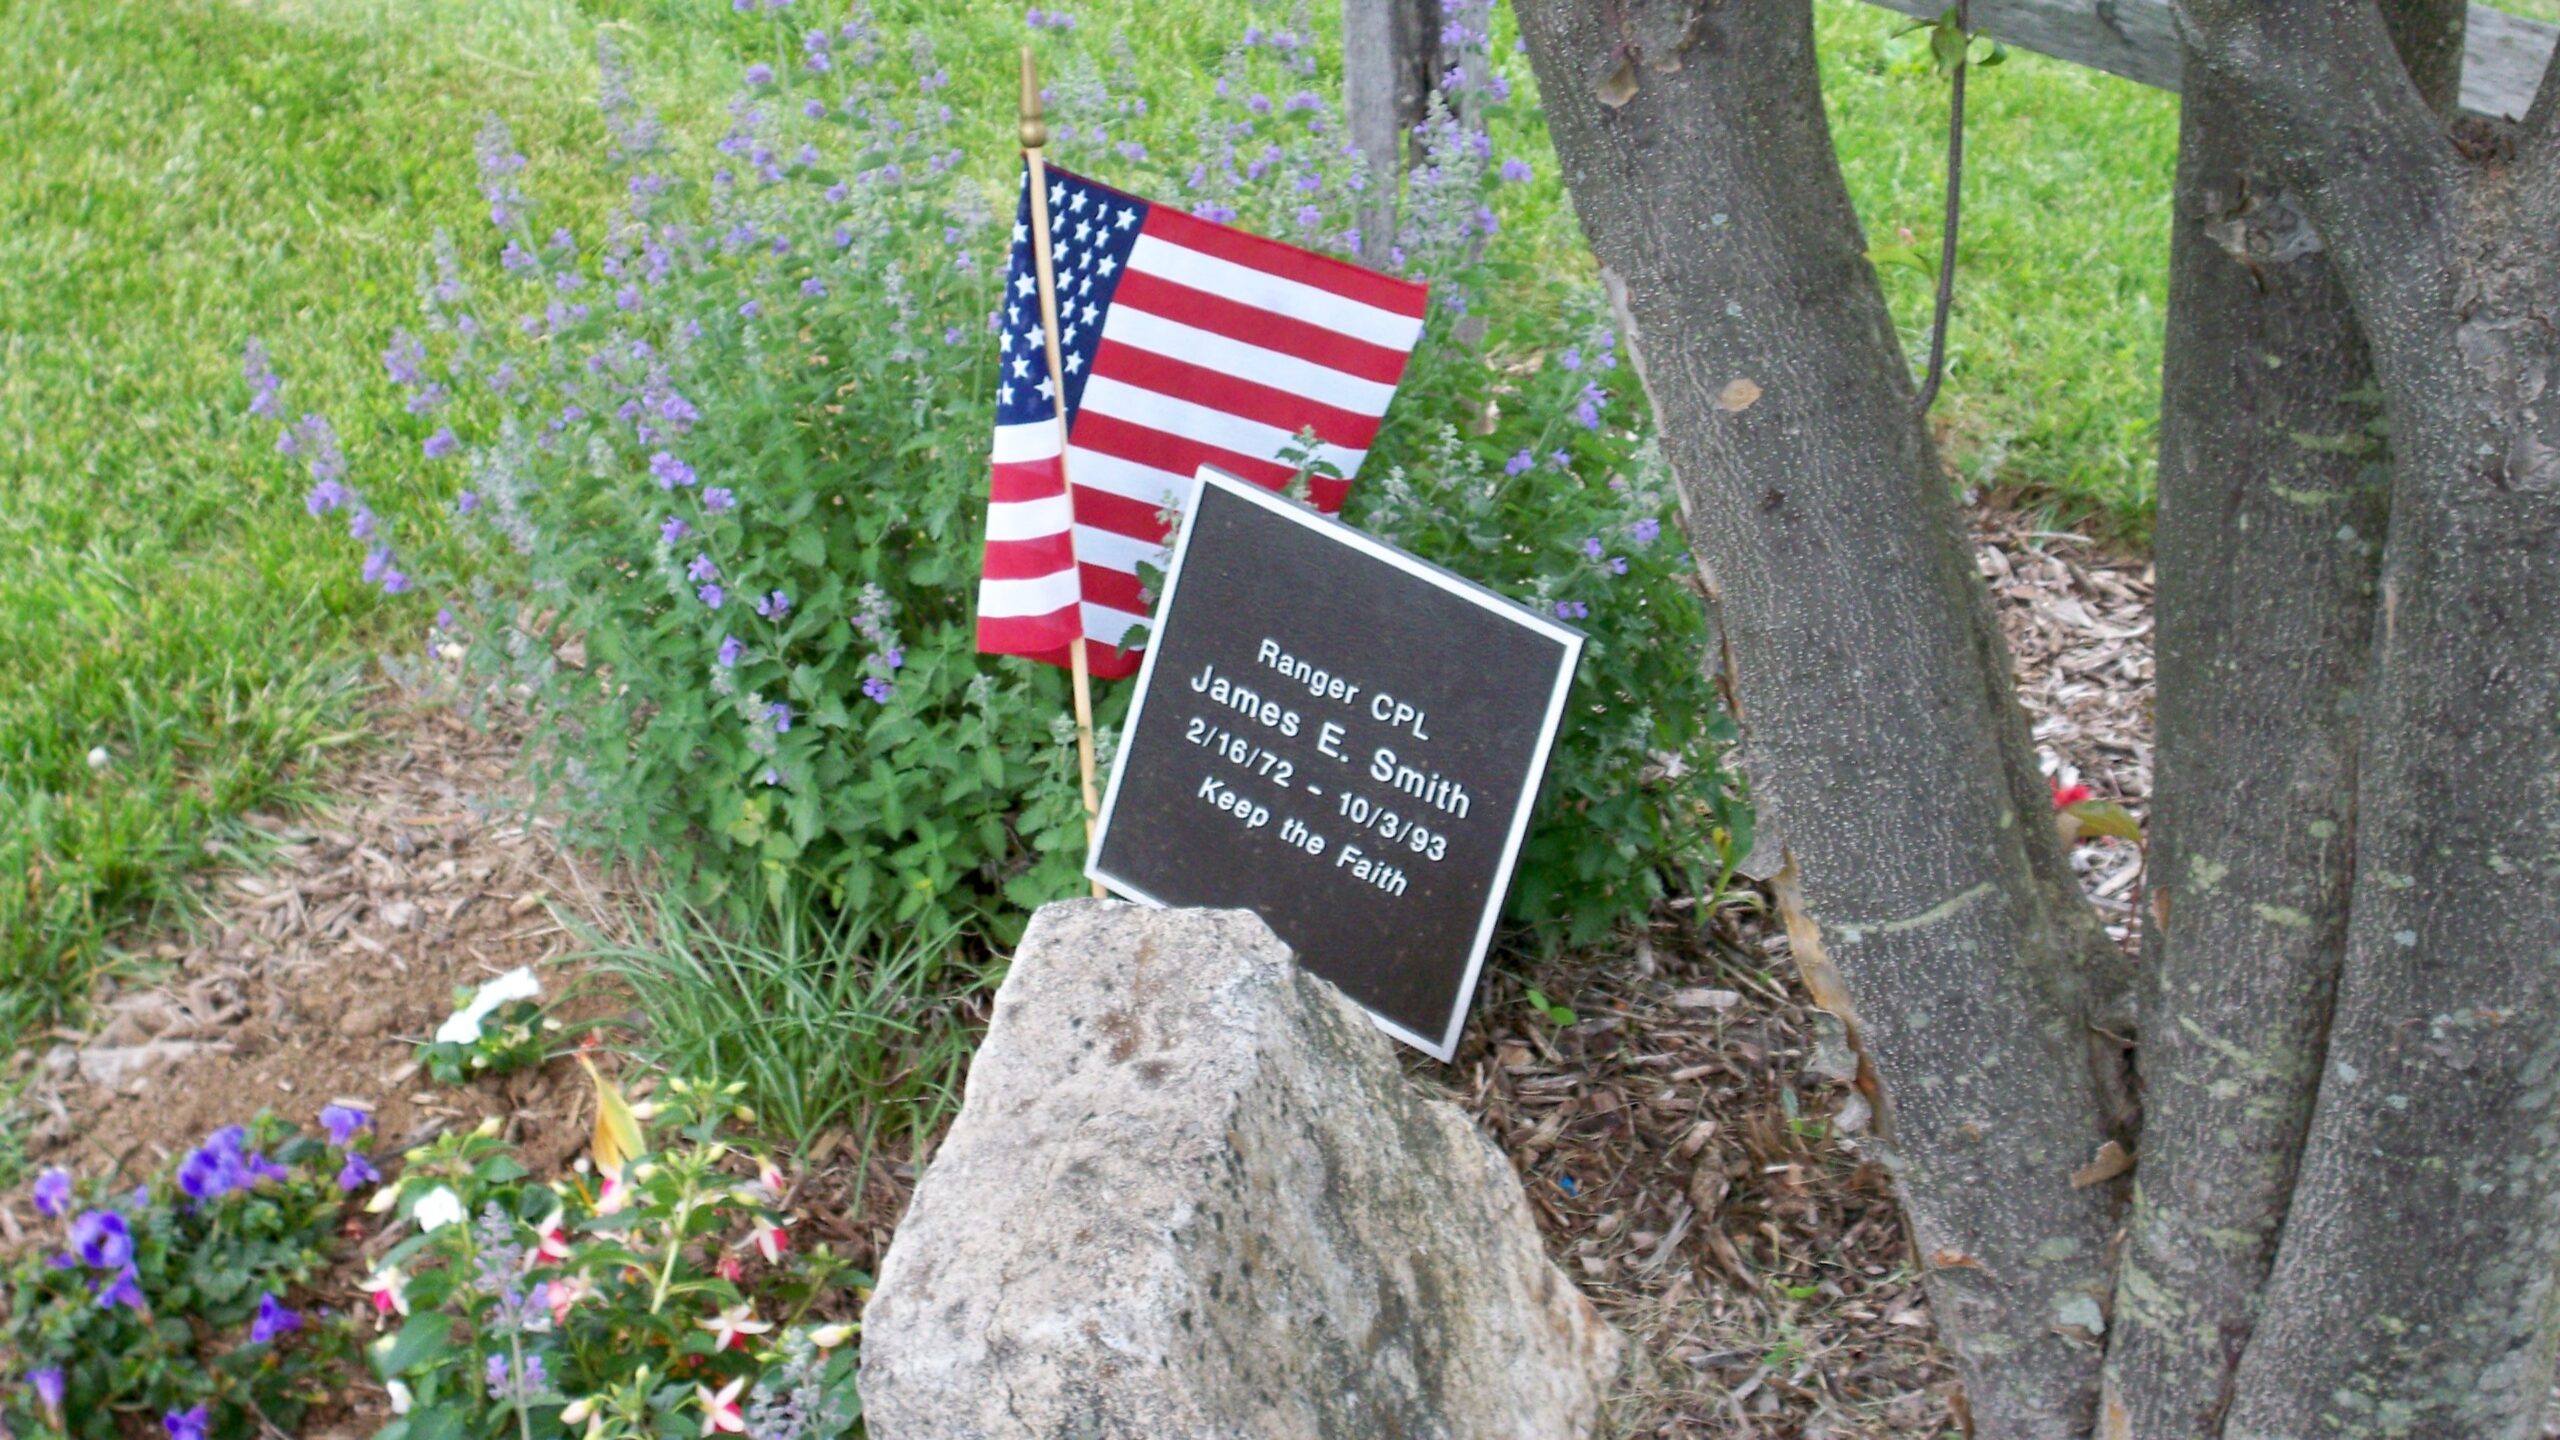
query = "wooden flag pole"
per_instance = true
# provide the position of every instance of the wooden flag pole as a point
(1035, 136)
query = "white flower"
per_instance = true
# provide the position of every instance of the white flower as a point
(828, 1337)
(401, 1399)
(438, 1208)
(462, 1027)
(99, 759)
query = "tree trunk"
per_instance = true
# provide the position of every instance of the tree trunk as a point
(1390, 65)
(1884, 732)
(2274, 493)
(2412, 1291)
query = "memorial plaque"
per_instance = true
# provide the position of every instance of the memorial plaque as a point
(1341, 738)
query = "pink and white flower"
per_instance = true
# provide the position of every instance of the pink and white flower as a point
(720, 1412)
(731, 1327)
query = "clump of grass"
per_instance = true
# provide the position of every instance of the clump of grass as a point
(831, 1022)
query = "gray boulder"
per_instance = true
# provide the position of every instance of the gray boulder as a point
(1191, 1196)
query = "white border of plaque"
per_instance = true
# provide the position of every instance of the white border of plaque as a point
(1445, 1045)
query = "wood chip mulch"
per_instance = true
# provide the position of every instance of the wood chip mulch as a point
(1689, 1143)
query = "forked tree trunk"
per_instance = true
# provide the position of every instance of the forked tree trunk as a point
(1885, 735)
(2366, 790)
(2413, 1289)
(2274, 493)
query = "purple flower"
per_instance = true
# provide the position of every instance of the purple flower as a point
(53, 1193)
(895, 658)
(466, 502)
(1519, 464)
(264, 387)
(1571, 359)
(1617, 564)
(357, 1173)
(185, 1424)
(780, 715)
(259, 1166)
(1516, 170)
(1586, 411)
(751, 309)
(444, 618)
(1572, 610)
(671, 472)
(47, 1383)
(712, 595)
(759, 74)
(101, 1239)
(1592, 547)
(673, 530)
(878, 689)
(376, 561)
(1647, 530)
(814, 288)
(774, 606)
(326, 496)
(719, 498)
(343, 1122)
(395, 582)
(121, 1291)
(701, 569)
(273, 1319)
(442, 443)
(730, 649)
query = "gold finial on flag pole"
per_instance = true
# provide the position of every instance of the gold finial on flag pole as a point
(1035, 135)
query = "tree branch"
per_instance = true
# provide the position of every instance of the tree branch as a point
(2324, 79)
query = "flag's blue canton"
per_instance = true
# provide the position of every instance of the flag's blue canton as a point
(1091, 230)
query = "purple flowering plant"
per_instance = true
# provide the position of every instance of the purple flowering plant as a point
(742, 384)
(175, 1302)
(719, 435)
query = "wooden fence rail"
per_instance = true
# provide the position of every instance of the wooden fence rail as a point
(2503, 55)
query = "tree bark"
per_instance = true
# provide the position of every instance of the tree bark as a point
(1878, 694)
(2413, 1291)
(2274, 494)
(1390, 66)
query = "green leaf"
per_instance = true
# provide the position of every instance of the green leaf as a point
(424, 1342)
(808, 546)
(1908, 257)
(2106, 817)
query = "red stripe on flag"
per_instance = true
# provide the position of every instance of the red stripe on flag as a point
(1233, 394)
(1108, 662)
(1035, 636)
(1155, 295)
(1024, 480)
(1029, 559)
(1116, 588)
(1118, 514)
(1111, 435)
(1341, 277)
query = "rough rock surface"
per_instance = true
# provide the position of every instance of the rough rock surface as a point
(1190, 1194)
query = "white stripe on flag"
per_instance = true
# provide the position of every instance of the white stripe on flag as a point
(1194, 346)
(1018, 443)
(1027, 519)
(1104, 624)
(1040, 595)
(1278, 294)
(1115, 551)
(1123, 401)
(1130, 480)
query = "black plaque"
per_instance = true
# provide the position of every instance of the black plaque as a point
(1341, 738)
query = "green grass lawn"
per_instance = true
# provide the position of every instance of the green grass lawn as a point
(188, 173)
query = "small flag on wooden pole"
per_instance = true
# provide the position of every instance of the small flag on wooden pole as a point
(1035, 138)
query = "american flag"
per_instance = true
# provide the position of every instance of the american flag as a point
(1185, 343)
